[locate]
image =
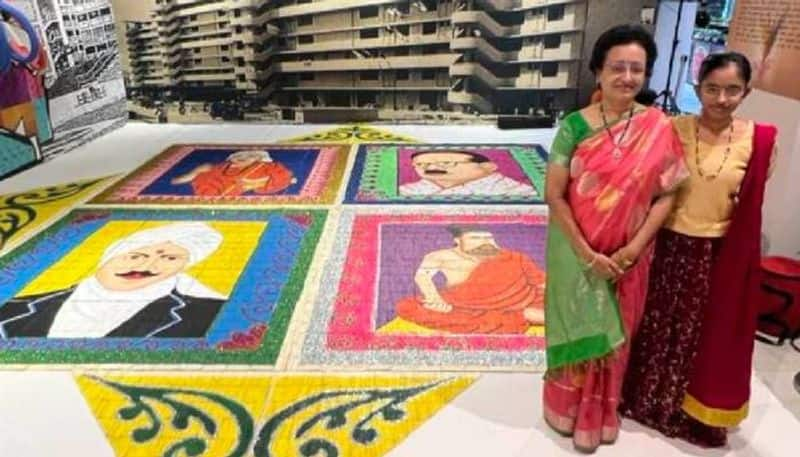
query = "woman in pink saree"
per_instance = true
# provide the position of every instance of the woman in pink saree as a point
(613, 169)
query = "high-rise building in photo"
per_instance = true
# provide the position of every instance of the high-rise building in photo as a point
(147, 56)
(90, 26)
(457, 55)
(210, 44)
(475, 56)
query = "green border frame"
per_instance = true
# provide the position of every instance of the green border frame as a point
(266, 354)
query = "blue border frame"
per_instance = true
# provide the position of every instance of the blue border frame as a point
(252, 301)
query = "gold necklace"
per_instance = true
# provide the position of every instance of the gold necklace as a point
(700, 171)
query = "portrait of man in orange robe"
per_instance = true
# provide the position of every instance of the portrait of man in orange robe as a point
(242, 172)
(488, 289)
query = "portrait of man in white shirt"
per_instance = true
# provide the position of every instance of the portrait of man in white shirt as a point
(140, 289)
(460, 173)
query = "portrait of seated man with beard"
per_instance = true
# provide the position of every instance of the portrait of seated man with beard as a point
(140, 289)
(462, 173)
(488, 289)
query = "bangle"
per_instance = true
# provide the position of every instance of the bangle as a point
(591, 264)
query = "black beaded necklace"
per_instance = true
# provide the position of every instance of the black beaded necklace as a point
(700, 171)
(617, 152)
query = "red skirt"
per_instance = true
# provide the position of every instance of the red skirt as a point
(665, 345)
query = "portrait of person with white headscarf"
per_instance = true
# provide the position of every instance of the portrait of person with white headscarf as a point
(140, 289)
(243, 172)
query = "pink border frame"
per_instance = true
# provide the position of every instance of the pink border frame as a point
(129, 188)
(352, 322)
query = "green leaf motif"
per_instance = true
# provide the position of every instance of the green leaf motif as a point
(384, 404)
(17, 211)
(141, 398)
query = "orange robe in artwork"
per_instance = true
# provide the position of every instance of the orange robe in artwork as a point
(225, 180)
(491, 300)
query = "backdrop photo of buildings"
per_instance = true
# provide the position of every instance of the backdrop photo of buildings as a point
(337, 60)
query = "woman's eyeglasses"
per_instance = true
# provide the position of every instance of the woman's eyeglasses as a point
(619, 68)
(714, 90)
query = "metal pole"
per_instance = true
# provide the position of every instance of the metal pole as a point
(669, 104)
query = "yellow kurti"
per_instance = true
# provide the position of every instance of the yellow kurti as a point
(703, 207)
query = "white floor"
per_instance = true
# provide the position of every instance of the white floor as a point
(500, 415)
(44, 415)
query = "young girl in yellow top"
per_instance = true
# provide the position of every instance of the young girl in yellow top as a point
(689, 373)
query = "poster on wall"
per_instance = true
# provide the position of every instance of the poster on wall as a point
(83, 90)
(768, 32)
(700, 50)
(24, 117)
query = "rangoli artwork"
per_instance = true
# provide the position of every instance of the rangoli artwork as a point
(235, 175)
(23, 214)
(172, 286)
(353, 134)
(290, 298)
(264, 416)
(448, 173)
(428, 288)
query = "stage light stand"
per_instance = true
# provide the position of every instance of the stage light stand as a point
(668, 103)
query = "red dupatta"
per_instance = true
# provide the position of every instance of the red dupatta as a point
(719, 384)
